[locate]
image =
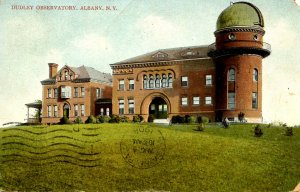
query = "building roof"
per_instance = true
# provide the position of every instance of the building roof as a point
(170, 54)
(84, 73)
(240, 14)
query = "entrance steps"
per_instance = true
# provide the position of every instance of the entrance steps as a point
(162, 121)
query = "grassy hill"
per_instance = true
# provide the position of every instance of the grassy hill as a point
(145, 157)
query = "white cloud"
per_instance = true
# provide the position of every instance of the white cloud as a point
(297, 2)
(54, 56)
(92, 44)
(158, 28)
(281, 34)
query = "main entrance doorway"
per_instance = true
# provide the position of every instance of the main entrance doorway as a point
(158, 108)
(66, 110)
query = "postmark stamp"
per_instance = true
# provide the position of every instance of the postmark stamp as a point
(143, 148)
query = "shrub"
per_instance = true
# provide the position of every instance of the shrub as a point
(103, 119)
(124, 119)
(78, 120)
(136, 119)
(241, 117)
(64, 120)
(91, 119)
(289, 131)
(202, 119)
(141, 118)
(177, 119)
(151, 118)
(115, 119)
(258, 131)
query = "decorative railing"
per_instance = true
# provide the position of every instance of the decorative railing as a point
(266, 46)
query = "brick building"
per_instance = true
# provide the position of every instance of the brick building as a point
(220, 80)
(75, 92)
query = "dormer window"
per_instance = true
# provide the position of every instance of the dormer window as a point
(160, 55)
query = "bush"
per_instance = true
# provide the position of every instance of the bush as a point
(91, 119)
(136, 119)
(202, 119)
(141, 118)
(78, 120)
(64, 120)
(103, 119)
(115, 119)
(150, 118)
(177, 119)
(289, 131)
(258, 131)
(241, 117)
(124, 119)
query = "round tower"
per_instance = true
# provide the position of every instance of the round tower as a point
(238, 53)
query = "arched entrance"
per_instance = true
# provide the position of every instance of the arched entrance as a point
(66, 110)
(158, 108)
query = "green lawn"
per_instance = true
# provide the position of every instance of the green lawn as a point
(91, 158)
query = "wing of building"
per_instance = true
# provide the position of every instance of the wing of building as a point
(75, 92)
(218, 81)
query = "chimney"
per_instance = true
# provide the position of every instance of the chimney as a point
(52, 69)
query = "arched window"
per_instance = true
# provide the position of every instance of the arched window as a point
(151, 82)
(231, 75)
(164, 81)
(255, 75)
(157, 81)
(145, 82)
(170, 80)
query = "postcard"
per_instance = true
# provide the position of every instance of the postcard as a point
(127, 95)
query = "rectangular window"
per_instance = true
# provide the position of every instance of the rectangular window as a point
(208, 101)
(184, 81)
(196, 100)
(254, 100)
(49, 93)
(231, 100)
(208, 79)
(121, 85)
(102, 111)
(121, 106)
(55, 93)
(65, 92)
(82, 91)
(184, 101)
(131, 84)
(131, 106)
(82, 110)
(75, 110)
(76, 93)
(49, 110)
(98, 92)
(55, 111)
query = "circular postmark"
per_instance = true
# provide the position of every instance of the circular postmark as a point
(143, 148)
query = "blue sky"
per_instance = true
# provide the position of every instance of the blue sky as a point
(30, 39)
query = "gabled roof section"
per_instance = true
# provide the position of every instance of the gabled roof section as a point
(83, 74)
(180, 53)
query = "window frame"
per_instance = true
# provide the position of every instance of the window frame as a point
(231, 76)
(194, 100)
(121, 85)
(184, 83)
(130, 106)
(121, 103)
(208, 81)
(184, 101)
(208, 99)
